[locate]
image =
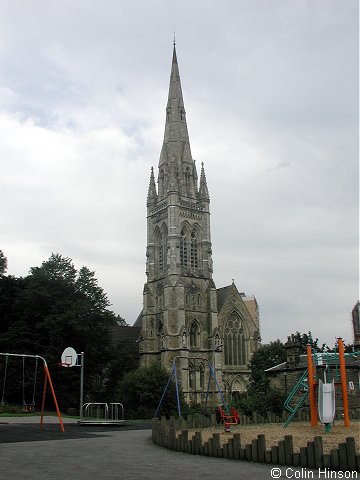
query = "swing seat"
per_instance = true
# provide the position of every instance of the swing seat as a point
(25, 408)
(229, 420)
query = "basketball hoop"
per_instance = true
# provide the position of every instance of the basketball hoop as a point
(68, 357)
(65, 364)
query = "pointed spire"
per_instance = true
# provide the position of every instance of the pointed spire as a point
(203, 189)
(152, 195)
(174, 58)
(176, 144)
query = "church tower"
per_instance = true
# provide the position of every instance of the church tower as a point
(179, 317)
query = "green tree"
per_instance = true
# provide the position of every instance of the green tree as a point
(307, 339)
(52, 308)
(57, 268)
(265, 357)
(87, 284)
(3, 263)
(140, 391)
(260, 397)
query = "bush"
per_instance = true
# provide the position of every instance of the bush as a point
(255, 401)
(140, 392)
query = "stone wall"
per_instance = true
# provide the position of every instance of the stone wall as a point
(285, 383)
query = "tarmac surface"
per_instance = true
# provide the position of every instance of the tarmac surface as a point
(101, 453)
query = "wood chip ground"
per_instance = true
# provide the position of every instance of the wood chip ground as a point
(301, 432)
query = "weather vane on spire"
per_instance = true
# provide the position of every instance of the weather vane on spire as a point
(174, 41)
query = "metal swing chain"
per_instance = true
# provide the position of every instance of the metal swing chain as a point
(35, 375)
(4, 383)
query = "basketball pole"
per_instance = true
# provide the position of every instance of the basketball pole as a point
(81, 385)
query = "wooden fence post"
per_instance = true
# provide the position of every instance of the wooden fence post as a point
(281, 445)
(318, 452)
(275, 455)
(289, 449)
(261, 448)
(334, 458)
(351, 453)
(237, 445)
(343, 464)
(311, 454)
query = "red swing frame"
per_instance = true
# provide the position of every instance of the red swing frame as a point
(47, 379)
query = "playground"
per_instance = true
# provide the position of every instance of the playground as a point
(302, 432)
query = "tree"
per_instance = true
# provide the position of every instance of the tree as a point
(57, 268)
(265, 357)
(87, 284)
(52, 308)
(142, 389)
(260, 398)
(307, 339)
(3, 263)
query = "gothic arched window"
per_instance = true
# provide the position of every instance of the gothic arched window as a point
(194, 333)
(234, 341)
(191, 376)
(184, 249)
(161, 253)
(160, 248)
(193, 252)
(202, 376)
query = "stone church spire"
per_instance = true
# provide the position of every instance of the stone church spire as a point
(175, 157)
(203, 188)
(152, 195)
(179, 316)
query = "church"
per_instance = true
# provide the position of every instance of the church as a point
(184, 315)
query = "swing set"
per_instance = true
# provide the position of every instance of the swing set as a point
(173, 375)
(30, 407)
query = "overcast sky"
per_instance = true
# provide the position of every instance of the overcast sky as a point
(271, 94)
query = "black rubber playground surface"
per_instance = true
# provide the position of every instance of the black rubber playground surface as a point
(30, 432)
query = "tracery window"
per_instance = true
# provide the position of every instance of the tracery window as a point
(191, 376)
(193, 252)
(202, 376)
(161, 253)
(194, 333)
(234, 341)
(184, 249)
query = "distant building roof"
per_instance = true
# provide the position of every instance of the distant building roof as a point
(138, 321)
(323, 360)
(222, 293)
(252, 306)
(124, 333)
(249, 301)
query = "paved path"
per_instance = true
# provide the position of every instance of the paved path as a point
(100, 454)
